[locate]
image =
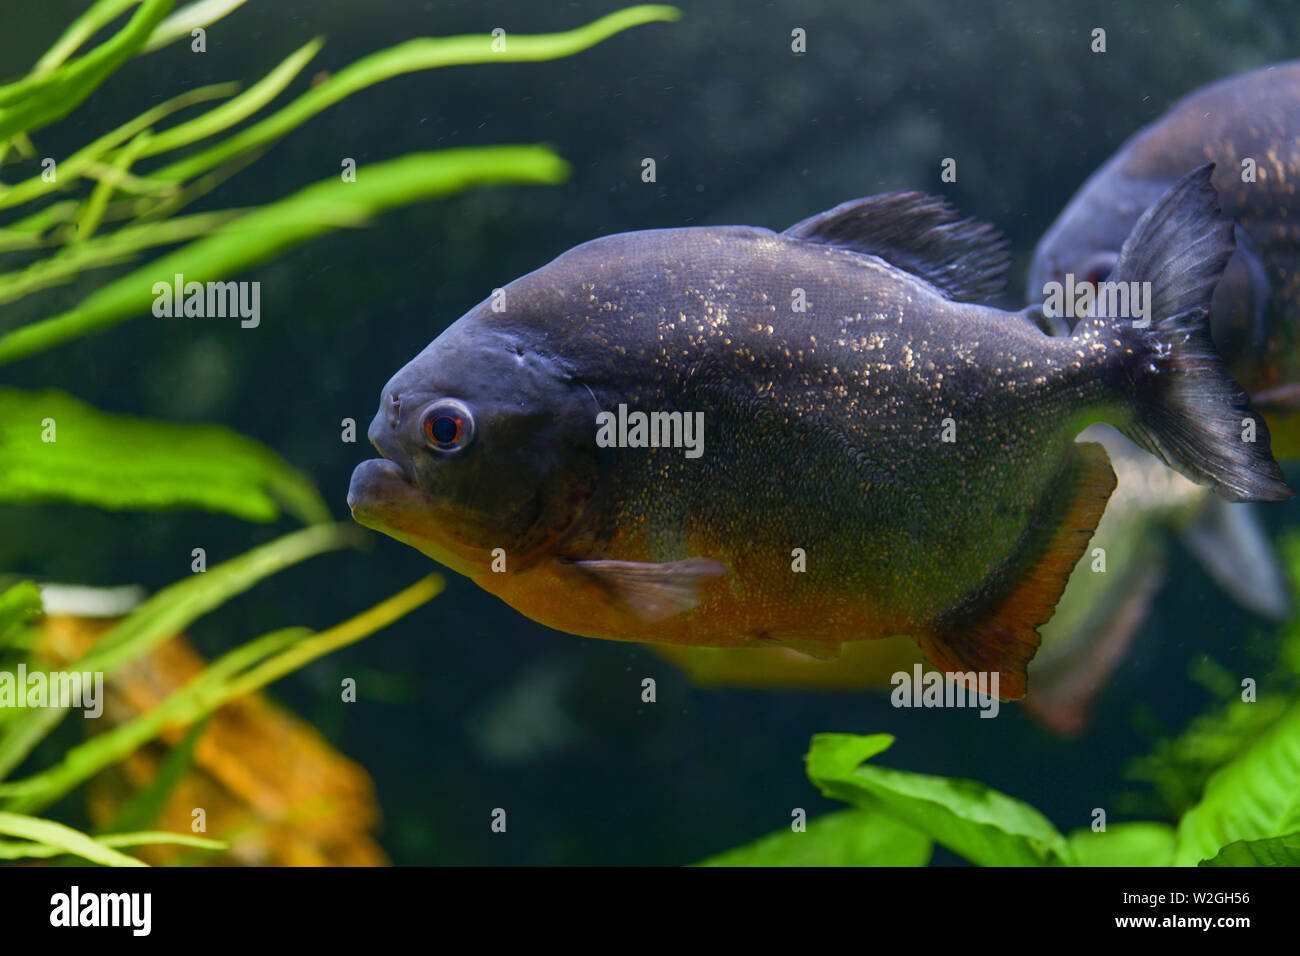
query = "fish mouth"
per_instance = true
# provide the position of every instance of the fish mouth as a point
(382, 497)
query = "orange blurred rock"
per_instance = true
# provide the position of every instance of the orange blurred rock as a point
(268, 783)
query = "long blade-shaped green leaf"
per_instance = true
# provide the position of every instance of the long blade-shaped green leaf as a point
(184, 21)
(269, 230)
(65, 839)
(27, 105)
(238, 109)
(71, 169)
(98, 16)
(169, 612)
(411, 57)
(56, 448)
(246, 669)
(109, 249)
(44, 851)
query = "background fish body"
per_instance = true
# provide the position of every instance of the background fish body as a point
(1255, 315)
(1254, 320)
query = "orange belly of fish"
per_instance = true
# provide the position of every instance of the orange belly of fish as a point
(733, 612)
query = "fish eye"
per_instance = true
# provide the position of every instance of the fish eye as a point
(448, 425)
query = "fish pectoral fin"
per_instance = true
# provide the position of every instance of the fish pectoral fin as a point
(653, 591)
(996, 629)
(920, 234)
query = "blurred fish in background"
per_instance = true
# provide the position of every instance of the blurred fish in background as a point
(1249, 127)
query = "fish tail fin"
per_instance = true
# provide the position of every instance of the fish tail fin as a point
(1190, 412)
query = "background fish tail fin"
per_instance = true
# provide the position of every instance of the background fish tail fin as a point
(996, 629)
(1064, 693)
(1190, 412)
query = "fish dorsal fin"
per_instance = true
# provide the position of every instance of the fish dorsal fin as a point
(964, 258)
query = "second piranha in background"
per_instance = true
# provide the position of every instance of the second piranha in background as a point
(917, 447)
(1249, 126)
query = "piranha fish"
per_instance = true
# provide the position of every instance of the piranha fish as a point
(1249, 127)
(894, 459)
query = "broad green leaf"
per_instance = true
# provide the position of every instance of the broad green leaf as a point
(1125, 844)
(123, 462)
(1254, 797)
(1178, 768)
(844, 838)
(269, 230)
(244, 670)
(976, 822)
(1274, 851)
(64, 839)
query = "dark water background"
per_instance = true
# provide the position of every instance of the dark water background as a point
(466, 705)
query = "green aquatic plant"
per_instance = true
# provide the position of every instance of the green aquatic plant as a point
(1248, 815)
(1178, 767)
(118, 200)
(42, 839)
(119, 197)
(243, 670)
(152, 465)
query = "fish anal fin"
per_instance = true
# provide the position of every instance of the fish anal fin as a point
(1062, 699)
(996, 628)
(963, 258)
(653, 591)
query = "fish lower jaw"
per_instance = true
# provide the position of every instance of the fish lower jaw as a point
(381, 498)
